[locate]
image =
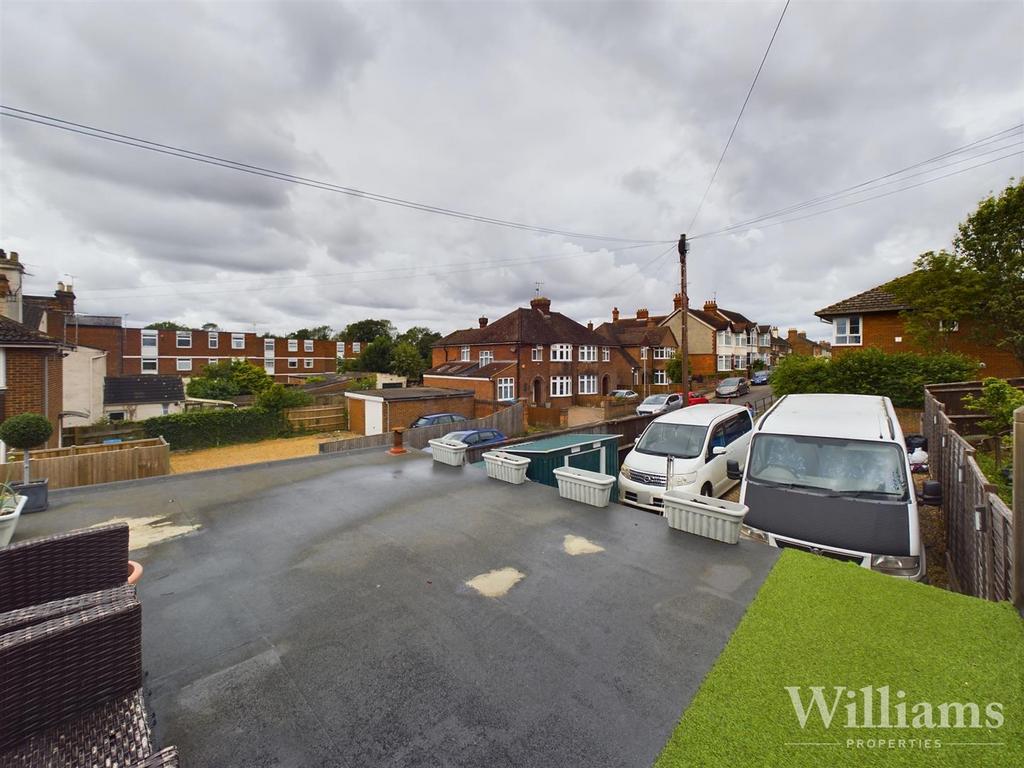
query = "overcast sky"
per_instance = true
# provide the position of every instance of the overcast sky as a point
(596, 118)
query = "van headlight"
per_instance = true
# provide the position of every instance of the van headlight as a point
(897, 565)
(683, 478)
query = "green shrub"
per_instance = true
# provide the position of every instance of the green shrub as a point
(998, 400)
(206, 429)
(228, 379)
(278, 397)
(900, 376)
(26, 431)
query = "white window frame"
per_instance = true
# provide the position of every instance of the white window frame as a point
(238, 341)
(660, 377)
(606, 354)
(293, 345)
(841, 331)
(149, 335)
(340, 347)
(269, 365)
(587, 354)
(211, 361)
(486, 357)
(561, 386)
(268, 348)
(643, 353)
(507, 388)
(307, 345)
(587, 384)
(149, 361)
(561, 353)
(183, 336)
(725, 362)
(183, 364)
(738, 363)
(954, 326)
(357, 347)
(537, 353)
(212, 340)
(3, 368)
(293, 362)
(664, 353)
(307, 362)
(464, 354)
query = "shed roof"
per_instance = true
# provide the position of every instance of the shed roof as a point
(411, 393)
(559, 442)
(124, 390)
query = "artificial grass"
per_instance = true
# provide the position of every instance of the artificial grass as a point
(818, 622)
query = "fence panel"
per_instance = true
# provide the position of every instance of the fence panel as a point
(323, 418)
(88, 465)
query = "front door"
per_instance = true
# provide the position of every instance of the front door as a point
(374, 417)
(537, 386)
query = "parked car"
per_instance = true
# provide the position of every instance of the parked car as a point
(760, 378)
(695, 398)
(687, 449)
(659, 404)
(624, 394)
(829, 474)
(474, 437)
(734, 386)
(437, 418)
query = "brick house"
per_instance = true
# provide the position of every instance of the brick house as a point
(719, 341)
(647, 345)
(31, 362)
(799, 344)
(874, 318)
(533, 353)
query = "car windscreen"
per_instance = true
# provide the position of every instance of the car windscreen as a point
(835, 467)
(730, 382)
(655, 400)
(683, 440)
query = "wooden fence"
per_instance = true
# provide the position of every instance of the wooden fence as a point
(86, 465)
(1018, 508)
(979, 525)
(97, 433)
(318, 418)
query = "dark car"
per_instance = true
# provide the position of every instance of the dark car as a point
(476, 437)
(431, 419)
(759, 378)
(734, 386)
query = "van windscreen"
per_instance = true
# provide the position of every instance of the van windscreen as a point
(685, 441)
(837, 467)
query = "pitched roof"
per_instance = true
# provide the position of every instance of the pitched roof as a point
(469, 369)
(15, 334)
(32, 310)
(739, 322)
(143, 389)
(876, 299)
(527, 326)
(714, 321)
(634, 335)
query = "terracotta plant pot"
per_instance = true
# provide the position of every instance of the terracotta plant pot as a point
(134, 571)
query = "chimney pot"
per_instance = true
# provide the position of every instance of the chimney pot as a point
(60, 286)
(642, 313)
(615, 314)
(590, 325)
(542, 304)
(483, 322)
(710, 305)
(14, 255)
(677, 301)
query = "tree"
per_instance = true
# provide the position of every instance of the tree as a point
(421, 338)
(321, 332)
(376, 356)
(210, 327)
(366, 331)
(167, 325)
(277, 397)
(997, 401)
(982, 280)
(24, 432)
(228, 379)
(674, 369)
(406, 361)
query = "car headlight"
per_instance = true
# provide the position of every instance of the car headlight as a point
(754, 533)
(899, 565)
(683, 478)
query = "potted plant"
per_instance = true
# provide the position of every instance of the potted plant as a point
(11, 505)
(584, 486)
(26, 431)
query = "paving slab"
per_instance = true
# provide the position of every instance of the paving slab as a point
(317, 613)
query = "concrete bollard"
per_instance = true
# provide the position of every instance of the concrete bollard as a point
(397, 447)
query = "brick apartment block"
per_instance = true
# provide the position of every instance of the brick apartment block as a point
(874, 319)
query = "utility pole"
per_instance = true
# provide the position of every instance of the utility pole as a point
(685, 312)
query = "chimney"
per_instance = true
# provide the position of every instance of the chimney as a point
(677, 301)
(65, 298)
(483, 322)
(11, 271)
(590, 325)
(642, 313)
(803, 335)
(542, 304)
(710, 305)
(615, 314)
(792, 335)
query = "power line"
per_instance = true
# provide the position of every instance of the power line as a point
(199, 157)
(863, 186)
(735, 125)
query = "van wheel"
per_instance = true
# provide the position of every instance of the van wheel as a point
(706, 490)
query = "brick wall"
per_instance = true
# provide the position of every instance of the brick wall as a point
(101, 337)
(881, 330)
(27, 369)
(482, 390)
(405, 412)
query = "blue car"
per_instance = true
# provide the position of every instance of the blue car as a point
(437, 418)
(759, 378)
(477, 437)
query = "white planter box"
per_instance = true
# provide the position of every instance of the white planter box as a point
(506, 466)
(451, 452)
(584, 486)
(704, 515)
(9, 520)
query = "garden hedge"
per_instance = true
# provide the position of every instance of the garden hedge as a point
(205, 429)
(900, 376)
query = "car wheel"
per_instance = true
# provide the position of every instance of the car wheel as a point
(706, 490)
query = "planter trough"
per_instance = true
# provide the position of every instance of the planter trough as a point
(584, 486)
(704, 515)
(9, 520)
(451, 452)
(506, 466)
(37, 493)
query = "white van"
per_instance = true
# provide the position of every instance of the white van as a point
(687, 449)
(829, 474)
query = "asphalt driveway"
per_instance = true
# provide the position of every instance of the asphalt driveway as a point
(317, 613)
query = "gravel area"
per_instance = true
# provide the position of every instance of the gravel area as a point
(250, 453)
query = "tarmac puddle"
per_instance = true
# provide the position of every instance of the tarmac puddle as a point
(143, 531)
(577, 545)
(496, 583)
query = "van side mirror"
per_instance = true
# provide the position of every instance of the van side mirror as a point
(718, 450)
(931, 493)
(732, 470)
